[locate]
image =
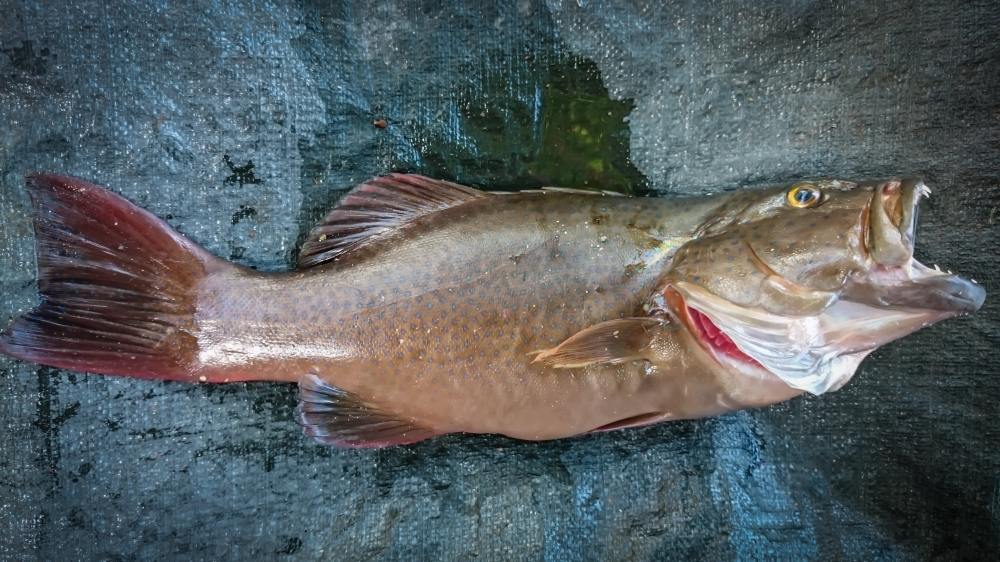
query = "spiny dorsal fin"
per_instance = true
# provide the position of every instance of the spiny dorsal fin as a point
(614, 341)
(379, 205)
(334, 416)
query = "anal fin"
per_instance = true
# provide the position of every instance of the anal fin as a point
(334, 416)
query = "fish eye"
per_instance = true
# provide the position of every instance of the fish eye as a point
(804, 196)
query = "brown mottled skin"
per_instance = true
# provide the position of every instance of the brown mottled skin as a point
(432, 308)
(437, 324)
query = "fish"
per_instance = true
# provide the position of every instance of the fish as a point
(421, 307)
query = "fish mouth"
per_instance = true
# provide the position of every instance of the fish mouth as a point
(895, 278)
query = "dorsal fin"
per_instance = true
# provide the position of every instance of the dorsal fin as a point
(379, 205)
(334, 416)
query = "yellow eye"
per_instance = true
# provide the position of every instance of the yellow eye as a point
(804, 195)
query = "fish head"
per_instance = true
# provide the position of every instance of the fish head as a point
(803, 281)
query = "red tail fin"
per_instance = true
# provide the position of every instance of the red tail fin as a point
(117, 286)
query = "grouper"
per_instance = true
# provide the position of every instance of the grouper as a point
(422, 307)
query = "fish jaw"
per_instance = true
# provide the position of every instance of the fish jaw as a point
(894, 278)
(815, 354)
(914, 285)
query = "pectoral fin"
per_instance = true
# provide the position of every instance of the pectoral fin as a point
(614, 341)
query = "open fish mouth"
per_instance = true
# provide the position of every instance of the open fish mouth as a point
(895, 278)
(895, 296)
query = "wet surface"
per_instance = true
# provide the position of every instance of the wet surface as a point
(242, 124)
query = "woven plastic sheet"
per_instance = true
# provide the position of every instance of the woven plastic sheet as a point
(241, 123)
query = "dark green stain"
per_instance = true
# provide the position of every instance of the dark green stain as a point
(570, 134)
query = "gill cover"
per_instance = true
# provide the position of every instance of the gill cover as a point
(814, 353)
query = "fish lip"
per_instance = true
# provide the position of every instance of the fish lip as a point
(918, 287)
(889, 220)
(911, 190)
(966, 295)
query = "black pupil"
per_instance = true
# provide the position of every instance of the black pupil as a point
(804, 195)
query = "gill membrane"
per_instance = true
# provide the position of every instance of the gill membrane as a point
(814, 353)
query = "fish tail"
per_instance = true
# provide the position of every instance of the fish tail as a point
(118, 286)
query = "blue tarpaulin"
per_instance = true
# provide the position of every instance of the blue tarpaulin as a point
(240, 123)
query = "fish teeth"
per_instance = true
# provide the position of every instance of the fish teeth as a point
(936, 268)
(925, 191)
